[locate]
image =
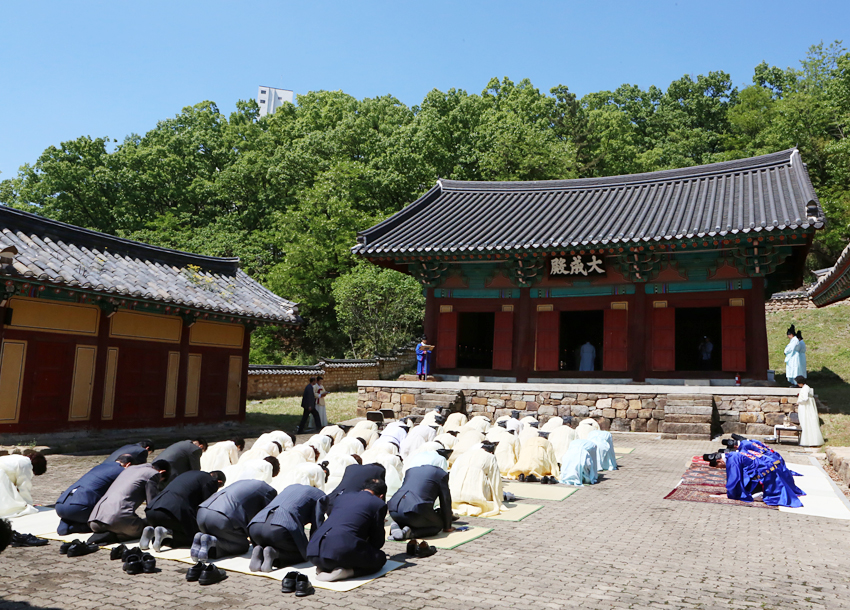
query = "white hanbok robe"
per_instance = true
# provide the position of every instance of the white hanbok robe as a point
(561, 439)
(512, 424)
(415, 439)
(795, 360)
(527, 433)
(465, 442)
(448, 441)
(430, 418)
(260, 450)
(337, 463)
(335, 432)
(536, 457)
(807, 410)
(303, 474)
(479, 423)
(585, 427)
(258, 469)
(291, 459)
(508, 449)
(454, 422)
(278, 436)
(305, 450)
(392, 464)
(476, 484)
(321, 442)
(552, 424)
(528, 420)
(347, 446)
(394, 431)
(219, 456)
(363, 425)
(578, 464)
(606, 459)
(426, 457)
(16, 486)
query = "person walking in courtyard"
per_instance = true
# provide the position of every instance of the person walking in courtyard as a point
(321, 392)
(308, 403)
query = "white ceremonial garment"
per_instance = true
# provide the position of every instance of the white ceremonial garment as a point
(278, 436)
(384, 445)
(291, 459)
(11, 502)
(578, 464)
(322, 443)
(536, 457)
(508, 449)
(527, 433)
(585, 427)
(528, 420)
(260, 450)
(305, 450)
(512, 424)
(335, 432)
(430, 418)
(807, 411)
(303, 474)
(19, 470)
(448, 441)
(320, 393)
(219, 456)
(347, 446)
(465, 441)
(392, 464)
(794, 360)
(415, 439)
(561, 439)
(454, 422)
(552, 424)
(337, 463)
(587, 359)
(606, 459)
(479, 423)
(476, 484)
(426, 457)
(258, 469)
(363, 425)
(394, 432)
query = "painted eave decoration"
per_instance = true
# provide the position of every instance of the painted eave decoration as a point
(50, 259)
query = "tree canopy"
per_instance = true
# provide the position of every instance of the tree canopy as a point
(288, 192)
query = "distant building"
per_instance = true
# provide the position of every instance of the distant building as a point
(270, 99)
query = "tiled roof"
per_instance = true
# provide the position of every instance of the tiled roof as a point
(834, 285)
(284, 369)
(789, 294)
(58, 253)
(770, 192)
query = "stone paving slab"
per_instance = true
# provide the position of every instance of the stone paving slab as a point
(617, 544)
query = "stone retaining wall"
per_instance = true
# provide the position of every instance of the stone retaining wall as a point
(839, 459)
(631, 408)
(788, 304)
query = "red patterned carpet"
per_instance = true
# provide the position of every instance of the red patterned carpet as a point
(701, 483)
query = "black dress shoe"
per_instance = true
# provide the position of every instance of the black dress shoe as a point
(19, 539)
(288, 584)
(521, 477)
(531, 479)
(194, 573)
(117, 552)
(63, 548)
(211, 575)
(412, 545)
(81, 548)
(303, 588)
(149, 563)
(133, 564)
(127, 552)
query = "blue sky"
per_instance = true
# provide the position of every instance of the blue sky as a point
(111, 68)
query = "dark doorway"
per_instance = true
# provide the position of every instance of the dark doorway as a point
(577, 328)
(475, 340)
(692, 325)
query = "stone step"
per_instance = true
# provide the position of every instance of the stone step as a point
(678, 418)
(678, 428)
(685, 397)
(687, 410)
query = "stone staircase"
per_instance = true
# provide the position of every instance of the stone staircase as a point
(688, 417)
(451, 401)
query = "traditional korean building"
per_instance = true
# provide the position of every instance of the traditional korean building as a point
(519, 276)
(103, 332)
(833, 284)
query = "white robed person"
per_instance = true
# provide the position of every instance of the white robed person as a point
(537, 461)
(578, 464)
(795, 356)
(587, 357)
(16, 474)
(807, 411)
(222, 454)
(606, 459)
(476, 483)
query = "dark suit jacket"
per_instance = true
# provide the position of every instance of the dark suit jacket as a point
(308, 399)
(92, 486)
(353, 535)
(354, 479)
(139, 453)
(183, 495)
(183, 457)
(294, 508)
(421, 488)
(241, 501)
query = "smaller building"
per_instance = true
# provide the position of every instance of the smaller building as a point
(103, 332)
(833, 284)
(270, 99)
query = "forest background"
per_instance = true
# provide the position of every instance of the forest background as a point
(287, 193)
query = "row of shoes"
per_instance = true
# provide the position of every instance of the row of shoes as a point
(298, 583)
(546, 480)
(420, 549)
(135, 560)
(77, 548)
(205, 573)
(19, 539)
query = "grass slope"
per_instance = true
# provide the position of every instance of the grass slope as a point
(827, 335)
(285, 413)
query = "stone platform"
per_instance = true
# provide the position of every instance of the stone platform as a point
(675, 411)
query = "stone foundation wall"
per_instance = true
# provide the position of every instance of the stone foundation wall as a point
(273, 382)
(743, 413)
(792, 304)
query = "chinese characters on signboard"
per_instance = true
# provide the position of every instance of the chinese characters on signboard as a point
(577, 265)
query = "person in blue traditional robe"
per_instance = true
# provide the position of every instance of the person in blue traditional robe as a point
(745, 444)
(748, 472)
(578, 464)
(423, 352)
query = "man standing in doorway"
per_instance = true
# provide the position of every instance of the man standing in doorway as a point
(308, 403)
(587, 360)
(705, 349)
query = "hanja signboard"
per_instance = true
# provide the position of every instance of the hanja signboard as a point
(577, 265)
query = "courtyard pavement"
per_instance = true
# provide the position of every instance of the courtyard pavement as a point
(617, 544)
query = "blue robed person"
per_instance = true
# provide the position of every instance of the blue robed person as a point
(748, 472)
(423, 355)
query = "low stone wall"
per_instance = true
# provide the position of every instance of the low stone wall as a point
(272, 381)
(839, 459)
(788, 303)
(623, 408)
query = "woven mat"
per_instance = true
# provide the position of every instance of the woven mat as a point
(451, 540)
(538, 491)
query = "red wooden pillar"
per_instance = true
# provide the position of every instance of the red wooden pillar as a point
(431, 312)
(503, 341)
(246, 352)
(638, 335)
(524, 331)
(183, 376)
(664, 339)
(447, 340)
(547, 339)
(758, 357)
(615, 351)
(734, 328)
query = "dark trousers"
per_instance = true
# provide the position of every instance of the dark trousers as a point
(232, 537)
(422, 523)
(317, 421)
(74, 519)
(363, 567)
(128, 527)
(279, 538)
(158, 517)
